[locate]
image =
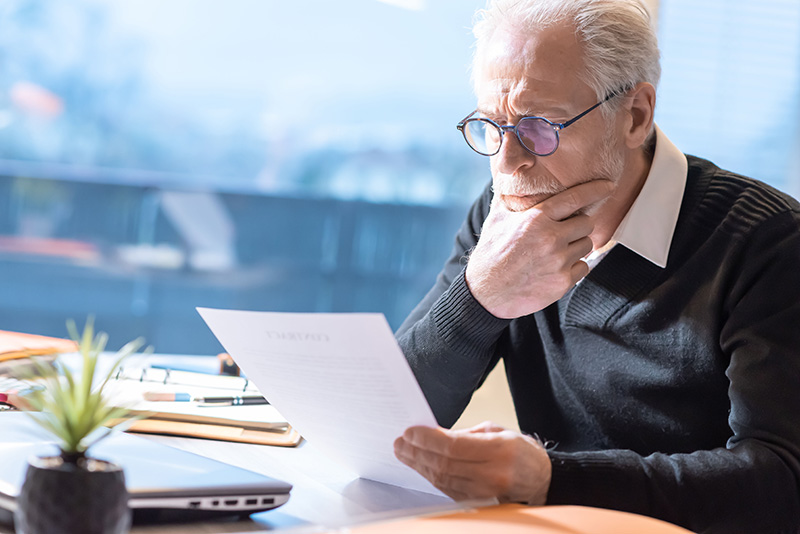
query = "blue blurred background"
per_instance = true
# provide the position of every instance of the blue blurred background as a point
(157, 155)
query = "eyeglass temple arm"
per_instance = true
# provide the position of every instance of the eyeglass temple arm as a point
(606, 99)
(460, 125)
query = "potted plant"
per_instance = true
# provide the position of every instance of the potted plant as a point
(74, 493)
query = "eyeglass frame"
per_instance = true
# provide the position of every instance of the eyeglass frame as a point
(557, 126)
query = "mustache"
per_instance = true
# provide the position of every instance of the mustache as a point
(527, 187)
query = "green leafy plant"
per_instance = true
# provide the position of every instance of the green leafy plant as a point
(71, 404)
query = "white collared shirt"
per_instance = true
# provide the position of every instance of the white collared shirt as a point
(648, 226)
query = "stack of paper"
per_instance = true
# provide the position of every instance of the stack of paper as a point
(16, 349)
(15, 345)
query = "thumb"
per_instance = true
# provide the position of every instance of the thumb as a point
(498, 210)
(497, 204)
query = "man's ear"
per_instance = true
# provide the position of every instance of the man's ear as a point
(640, 105)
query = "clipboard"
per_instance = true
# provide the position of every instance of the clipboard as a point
(288, 438)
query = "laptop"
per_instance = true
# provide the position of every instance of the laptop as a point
(164, 483)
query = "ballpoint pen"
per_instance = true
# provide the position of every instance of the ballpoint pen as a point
(236, 400)
(230, 401)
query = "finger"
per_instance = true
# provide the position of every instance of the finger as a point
(448, 485)
(461, 488)
(435, 440)
(433, 465)
(563, 258)
(579, 271)
(579, 249)
(458, 479)
(486, 426)
(570, 201)
(496, 199)
(577, 227)
(497, 207)
(454, 445)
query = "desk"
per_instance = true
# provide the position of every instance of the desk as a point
(324, 496)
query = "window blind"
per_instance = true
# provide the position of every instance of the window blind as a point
(730, 84)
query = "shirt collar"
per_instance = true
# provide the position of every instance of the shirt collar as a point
(648, 226)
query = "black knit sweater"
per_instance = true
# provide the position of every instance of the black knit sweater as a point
(671, 392)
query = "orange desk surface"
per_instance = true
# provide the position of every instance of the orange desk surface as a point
(519, 519)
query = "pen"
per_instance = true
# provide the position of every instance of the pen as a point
(206, 401)
(231, 401)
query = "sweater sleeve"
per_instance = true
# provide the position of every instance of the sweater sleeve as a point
(752, 483)
(449, 338)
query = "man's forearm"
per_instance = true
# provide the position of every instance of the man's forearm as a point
(747, 489)
(451, 349)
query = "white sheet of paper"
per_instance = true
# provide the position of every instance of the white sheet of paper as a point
(339, 378)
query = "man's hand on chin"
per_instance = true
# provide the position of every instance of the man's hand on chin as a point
(482, 462)
(526, 260)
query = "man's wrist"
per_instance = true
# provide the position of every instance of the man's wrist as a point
(544, 476)
(463, 323)
(475, 287)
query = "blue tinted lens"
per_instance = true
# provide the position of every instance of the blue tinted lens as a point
(482, 136)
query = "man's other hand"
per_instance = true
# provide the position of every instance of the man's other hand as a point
(524, 261)
(482, 462)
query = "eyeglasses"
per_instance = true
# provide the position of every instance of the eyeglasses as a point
(538, 135)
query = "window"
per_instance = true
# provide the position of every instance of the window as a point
(730, 84)
(161, 155)
(157, 155)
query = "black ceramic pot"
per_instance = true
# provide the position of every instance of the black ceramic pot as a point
(73, 496)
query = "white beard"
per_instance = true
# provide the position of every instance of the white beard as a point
(609, 165)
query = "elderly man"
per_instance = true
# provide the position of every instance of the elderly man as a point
(646, 304)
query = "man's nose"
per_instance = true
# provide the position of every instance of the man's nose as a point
(512, 155)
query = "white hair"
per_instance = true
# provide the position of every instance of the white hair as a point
(620, 48)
